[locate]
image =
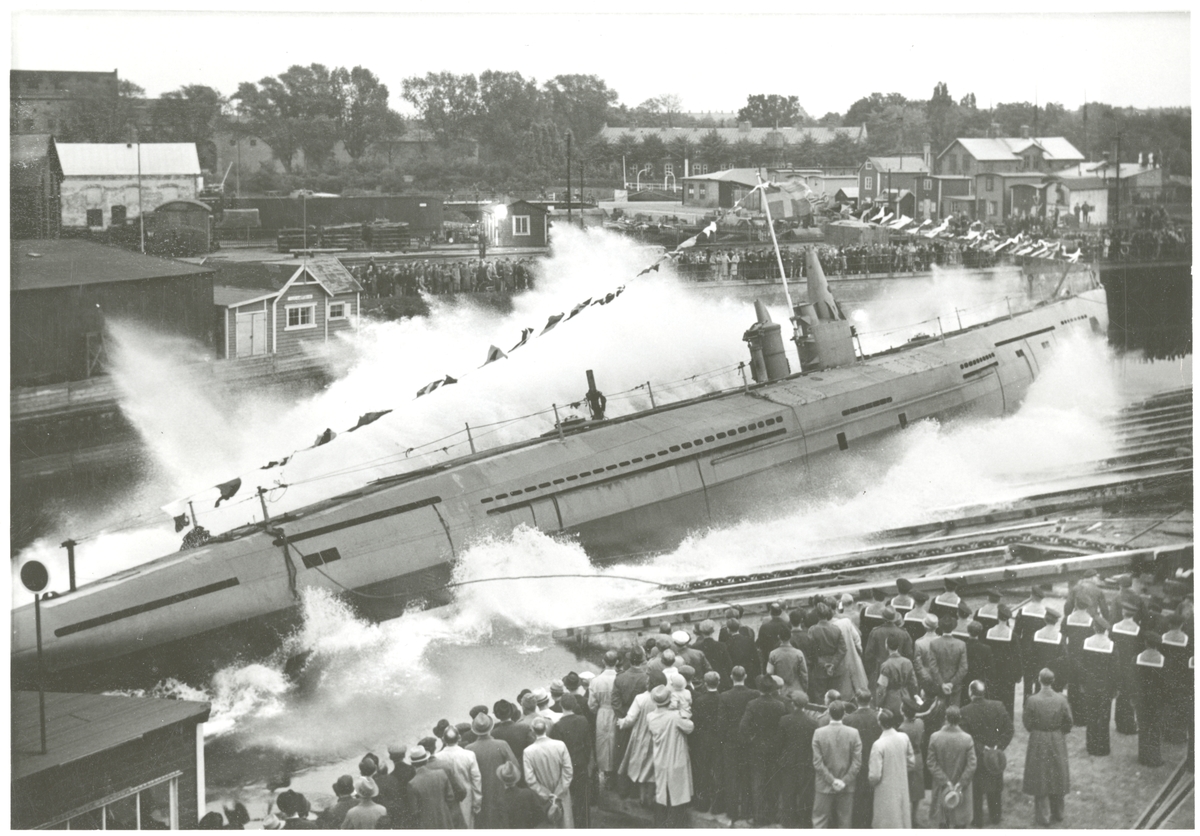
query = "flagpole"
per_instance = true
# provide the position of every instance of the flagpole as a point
(778, 258)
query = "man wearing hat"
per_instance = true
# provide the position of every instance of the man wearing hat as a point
(992, 730)
(331, 819)
(685, 654)
(715, 652)
(872, 614)
(1127, 641)
(952, 764)
(435, 798)
(542, 698)
(796, 729)
(915, 618)
(949, 671)
(600, 702)
(490, 754)
(1027, 620)
(877, 646)
(854, 674)
(557, 689)
(466, 771)
(704, 742)
(445, 766)
(637, 765)
(962, 622)
(669, 730)
(1148, 668)
(393, 787)
(988, 614)
(742, 650)
(923, 661)
(548, 771)
(1046, 715)
(574, 731)
(775, 627)
(1006, 659)
(517, 808)
(902, 602)
(506, 729)
(735, 783)
(759, 728)
(366, 814)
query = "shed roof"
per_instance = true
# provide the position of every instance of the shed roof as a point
(183, 203)
(81, 725)
(849, 191)
(226, 296)
(900, 163)
(66, 262)
(330, 274)
(120, 158)
(529, 204)
(743, 176)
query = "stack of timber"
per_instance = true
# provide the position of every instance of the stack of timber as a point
(387, 236)
(346, 236)
(287, 240)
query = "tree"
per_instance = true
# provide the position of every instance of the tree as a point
(508, 105)
(769, 111)
(832, 119)
(712, 149)
(667, 105)
(294, 111)
(190, 114)
(99, 119)
(448, 103)
(680, 149)
(363, 116)
(579, 103)
(940, 111)
(653, 151)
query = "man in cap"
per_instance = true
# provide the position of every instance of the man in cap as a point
(1006, 659)
(988, 614)
(1127, 640)
(877, 646)
(627, 685)
(1077, 629)
(947, 601)
(980, 663)
(506, 730)
(1047, 717)
(872, 614)
(332, 818)
(760, 729)
(444, 765)
(789, 663)
(1149, 666)
(837, 758)
(490, 754)
(466, 771)
(705, 740)
(991, 728)
(393, 787)
(915, 620)
(435, 798)
(1180, 680)
(600, 702)
(687, 654)
(775, 626)
(574, 731)
(902, 602)
(528, 711)
(796, 730)
(1027, 620)
(715, 652)
(517, 808)
(949, 671)
(577, 685)
(557, 689)
(548, 771)
(669, 730)
(1097, 678)
(953, 765)
(734, 776)
(865, 719)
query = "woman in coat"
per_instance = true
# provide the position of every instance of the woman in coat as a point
(638, 762)
(914, 727)
(669, 729)
(952, 763)
(891, 759)
(1047, 717)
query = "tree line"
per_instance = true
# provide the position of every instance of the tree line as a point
(501, 130)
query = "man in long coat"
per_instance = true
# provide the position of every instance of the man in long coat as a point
(669, 729)
(717, 653)
(837, 756)
(742, 650)
(948, 673)
(573, 729)
(705, 741)
(891, 758)
(1047, 718)
(796, 731)
(548, 770)
(735, 783)
(600, 702)
(638, 764)
(866, 721)
(432, 791)
(877, 652)
(952, 763)
(760, 730)
(627, 685)
(490, 754)
(466, 771)
(989, 725)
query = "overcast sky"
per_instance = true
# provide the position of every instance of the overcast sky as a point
(711, 60)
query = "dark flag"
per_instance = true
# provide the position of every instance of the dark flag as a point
(526, 333)
(369, 418)
(579, 307)
(653, 267)
(429, 387)
(551, 322)
(325, 437)
(228, 489)
(181, 522)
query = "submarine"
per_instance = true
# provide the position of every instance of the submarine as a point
(621, 486)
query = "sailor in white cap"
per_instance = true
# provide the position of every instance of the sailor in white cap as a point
(688, 655)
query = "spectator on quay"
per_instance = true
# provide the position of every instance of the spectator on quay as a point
(948, 666)
(896, 683)
(600, 701)
(1097, 677)
(704, 743)
(548, 772)
(742, 650)
(734, 775)
(980, 665)
(542, 697)
(869, 618)
(716, 653)
(1006, 660)
(789, 664)
(393, 788)
(774, 630)
(952, 763)
(854, 675)
(627, 685)
(759, 728)
(837, 757)
(557, 689)
(435, 798)
(367, 814)
(890, 760)
(516, 735)
(689, 655)
(914, 727)
(796, 731)
(331, 819)
(877, 650)
(669, 729)
(1047, 717)
(828, 648)
(573, 730)
(919, 622)
(1151, 684)
(638, 763)
(490, 754)
(444, 765)
(466, 772)
(992, 730)
(866, 721)
(517, 808)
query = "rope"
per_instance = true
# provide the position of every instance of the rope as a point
(455, 584)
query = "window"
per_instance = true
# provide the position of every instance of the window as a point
(691, 190)
(95, 218)
(703, 191)
(869, 166)
(520, 224)
(301, 316)
(153, 806)
(668, 168)
(868, 182)
(253, 143)
(991, 183)
(337, 310)
(991, 208)
(118, 215)
(702, 168)
(928, 184)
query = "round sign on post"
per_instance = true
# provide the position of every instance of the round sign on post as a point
(34, 576)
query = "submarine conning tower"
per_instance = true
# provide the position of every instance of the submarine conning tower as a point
(823, 335)
(768, 359)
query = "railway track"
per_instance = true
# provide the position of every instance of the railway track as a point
(1180, 787)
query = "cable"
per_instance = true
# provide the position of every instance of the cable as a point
(455, 584)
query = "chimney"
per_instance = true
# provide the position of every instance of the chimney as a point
(928, 156)
(1024, 132)
(744, 127)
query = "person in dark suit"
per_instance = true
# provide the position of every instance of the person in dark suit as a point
(949, 656)
(866, 721)
(735, 784)
(704, 742)
(760, 730)
(518, 808)
(828, 649)
(837, 759)
(742, 650)
(774, 631)
(1027, 620)
(516, 735)
(1047, 718)
(575, 731)
(1006, 659)
(876, 649)
(991, 728)
(796, 731)
(979, 658)
(871, 615)
(717, 654)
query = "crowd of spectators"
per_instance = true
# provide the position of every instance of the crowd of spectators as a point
(442, 277)
(890, 712)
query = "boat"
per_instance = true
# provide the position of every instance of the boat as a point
(622, 486)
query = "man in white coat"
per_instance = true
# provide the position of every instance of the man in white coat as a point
(892, 757)
(548, 770)
(599, 700)
(466, 769)
(669, 728)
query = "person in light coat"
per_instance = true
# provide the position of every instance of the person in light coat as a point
(466, 770)
(599, 700)
(638, 763)
(892, 757)
(669, 729)
(548, 770)
(952, 764)
(854, 674)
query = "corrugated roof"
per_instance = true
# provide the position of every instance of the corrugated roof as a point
(1054, 148)
(120, 158)
(225, 296)
(987, 149)
(183, 202)
(331, 275)
(790, 136)
(65, 262)
(742, 176)
(900, 162)
(81, 725)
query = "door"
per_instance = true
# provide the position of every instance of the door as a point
(251, 333)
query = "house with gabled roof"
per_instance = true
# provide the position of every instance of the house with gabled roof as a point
(1004, 155)
(320, 300)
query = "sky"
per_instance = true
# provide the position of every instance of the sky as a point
(711, 59)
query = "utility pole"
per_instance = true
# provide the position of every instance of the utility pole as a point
(1116, 220)
(581, 193)
(569, 220)
(141, 214)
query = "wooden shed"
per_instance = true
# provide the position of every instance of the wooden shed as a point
(64, 291)
(521, 224)
(111, 763)
(180, 228)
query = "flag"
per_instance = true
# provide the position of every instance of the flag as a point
(579, 307)
(369, 418)
(653, 267)
(429, 387)
(526, 333)
(325, 437)
(604, 300)
(228, 489)
(279, 463)
(551, 322)
(494, 354)
(181, 523)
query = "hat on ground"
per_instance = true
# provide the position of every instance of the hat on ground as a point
(661, 695)
(904, 586)
(365, 788)
(482, 724)
(344, 785)
(418, 755)
(508, 773)
(680, 637)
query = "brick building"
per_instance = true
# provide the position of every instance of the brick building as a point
(35, 183)
(46, 101)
